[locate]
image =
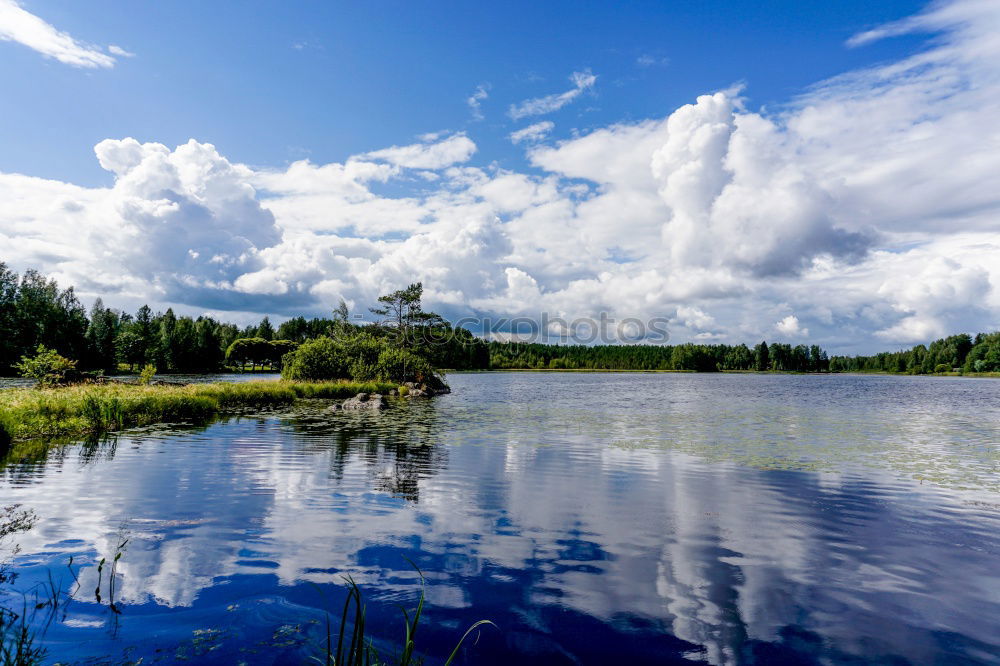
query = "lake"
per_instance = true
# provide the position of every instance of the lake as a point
(596, 518)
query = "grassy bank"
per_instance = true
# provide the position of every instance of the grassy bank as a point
(77, 410)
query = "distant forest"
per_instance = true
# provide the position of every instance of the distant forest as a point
(34, 311)
(698, 358)
(956, 353)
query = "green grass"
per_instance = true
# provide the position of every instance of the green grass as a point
(356, 648)
(82, 409)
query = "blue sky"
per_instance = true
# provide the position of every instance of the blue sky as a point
(269, 83)
(799, 171)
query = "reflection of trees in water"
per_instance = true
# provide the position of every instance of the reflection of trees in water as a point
(13, 520)
(20, 464)
(398, 445)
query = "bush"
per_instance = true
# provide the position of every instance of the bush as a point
(361, 358)
(46, 366)
(399, 365)
(320, 358)
(364, 352)
(942, 367)
(146, 375)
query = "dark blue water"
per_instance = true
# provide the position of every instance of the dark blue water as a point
(596, 518)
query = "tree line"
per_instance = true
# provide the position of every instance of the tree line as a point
(689, 357)
(35, 311)
(955, 353)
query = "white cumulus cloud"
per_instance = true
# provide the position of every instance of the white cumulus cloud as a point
(722, 219)
(790, 327)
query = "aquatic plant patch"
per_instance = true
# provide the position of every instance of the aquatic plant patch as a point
(76, 410)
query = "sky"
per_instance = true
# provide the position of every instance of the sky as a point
(815, 173)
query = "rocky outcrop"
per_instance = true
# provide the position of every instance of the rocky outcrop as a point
(414, 390)
(373, 401)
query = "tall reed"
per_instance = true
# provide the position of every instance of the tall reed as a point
(356, 648)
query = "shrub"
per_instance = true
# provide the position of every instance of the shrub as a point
(320, 358)
(364, 352)
(146, 375)
(942, 367)
(399, 365)
(46, 366)
(361, 358)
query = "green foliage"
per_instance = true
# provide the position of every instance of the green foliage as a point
(94, 408)
(101, 332)
(265, 330)
(243, 350)
(399, 365)
(279, 349)
(33, 311)
(685, 357)
(317, 359)
(258, 351)
(693, 357)
(403, 317)
(146, 375)
(130, 348)
(762, 357)
(979, 354)
(361, 358)
(46, 366)
(363, 352)
(356, 648)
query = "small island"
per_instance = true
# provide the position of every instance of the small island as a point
(357, 364)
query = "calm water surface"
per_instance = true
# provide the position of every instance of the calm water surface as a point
(596, 518)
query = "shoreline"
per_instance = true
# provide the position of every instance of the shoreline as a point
(88, 409)
(970, 375)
